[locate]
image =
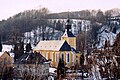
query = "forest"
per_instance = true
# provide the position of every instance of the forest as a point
(29, 20)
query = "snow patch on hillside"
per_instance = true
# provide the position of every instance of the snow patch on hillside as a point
(105, 33)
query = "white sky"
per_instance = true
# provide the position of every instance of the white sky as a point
(11, 7)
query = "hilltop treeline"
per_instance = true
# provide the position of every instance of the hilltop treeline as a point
(23, 22)
(93, 15)
(31, 19)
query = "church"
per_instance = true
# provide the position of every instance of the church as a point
(65, 48)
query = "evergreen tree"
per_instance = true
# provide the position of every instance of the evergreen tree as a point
(0, 46)
(16, 52)
(116, 46)
(28, 47)
(8, 74)
(106, 44)
(59, 25)
(82, 59)
(61, 68)
(11, 73)
(5, 74)
(21, 50)
(114, 30)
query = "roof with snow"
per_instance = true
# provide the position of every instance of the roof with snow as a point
(55, 45)
(31, 58)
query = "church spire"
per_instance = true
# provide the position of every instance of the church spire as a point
(68, 24)
(68, 35)
(68, 30)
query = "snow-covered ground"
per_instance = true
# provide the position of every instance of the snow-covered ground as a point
(36, 35)
(96, 73)
(106, 36)
(106, 33)
(52, 70)
(7, 48)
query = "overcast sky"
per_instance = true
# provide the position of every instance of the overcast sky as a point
(11, 7)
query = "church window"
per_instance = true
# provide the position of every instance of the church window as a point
(44, 54)
(62, 56)
(76, 59)
(68, 57)
(57, 57)
(51, 56)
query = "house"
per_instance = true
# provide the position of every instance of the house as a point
(6, 63)
(31, 66)
(6, 59)
(65, 48)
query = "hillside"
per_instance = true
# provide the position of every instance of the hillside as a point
(14, 27)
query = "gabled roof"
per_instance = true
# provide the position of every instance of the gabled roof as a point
(29, 58)
(55, 45)
(6, 56)
(1, 53)
(68, 34)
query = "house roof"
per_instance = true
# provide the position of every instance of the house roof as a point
(55, 45)
(6, 55)
(1, 53)
(29, 58)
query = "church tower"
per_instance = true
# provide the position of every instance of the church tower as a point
(68, 35)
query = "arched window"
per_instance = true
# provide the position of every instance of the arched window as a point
(68, 57)
(57, 57)
(76, 59)
(51, 56)
(45, 54)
